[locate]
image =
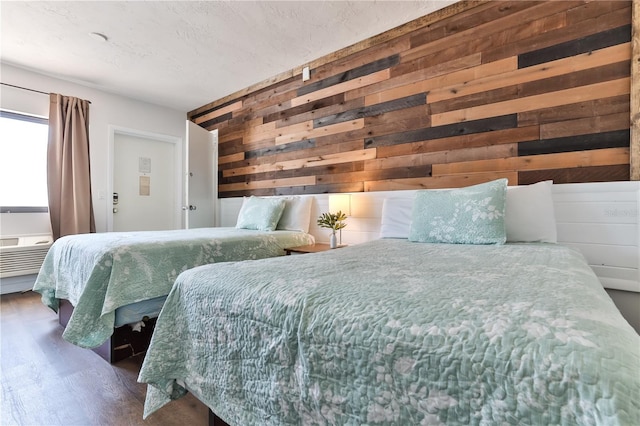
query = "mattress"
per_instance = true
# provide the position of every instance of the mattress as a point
(394, 332)
(135, 312)
(99, 273)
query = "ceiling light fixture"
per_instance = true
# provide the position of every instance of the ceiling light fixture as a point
(99, 37)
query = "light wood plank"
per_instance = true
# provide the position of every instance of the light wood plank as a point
(217, 113)
(514, 76)
(584, 126)
(531, 103)
(442, 157)
(231, 158)
(341, 87)
(438, 181)
(596, 157)
(446, 77)
(320, 160)
(273, 183)
(302, 134)
(431, 72)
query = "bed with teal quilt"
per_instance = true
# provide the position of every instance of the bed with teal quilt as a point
(105, 273)
(398, 333)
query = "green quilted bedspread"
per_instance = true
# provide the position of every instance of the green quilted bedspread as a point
(399, 333)
(99, 273)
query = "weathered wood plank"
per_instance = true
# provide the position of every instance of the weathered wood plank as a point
(317, 171)
(559, 67)
(430, 71)
(323, 160)
(443, 157)
(579, 142)
(584, 126)
(437, 182)
(352, 74)
(277, 149)
(461, 143)
(483, 117)
(224, 159)
(275, 183)
(341, 88)
(219, 112)
(377, 174)
(603, 106)
(517, 45)
(597, 157)
(443, 131)
(576, 175)
(283, 116)
(294, 136)
(587, 44)
(373, 110)
(562, 97)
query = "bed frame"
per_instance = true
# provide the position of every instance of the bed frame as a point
(123, 343)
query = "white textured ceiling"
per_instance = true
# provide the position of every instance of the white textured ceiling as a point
(184, 54)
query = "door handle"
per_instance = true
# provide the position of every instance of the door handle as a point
(188, 208)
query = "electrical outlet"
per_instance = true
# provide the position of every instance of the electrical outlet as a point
(306, 73)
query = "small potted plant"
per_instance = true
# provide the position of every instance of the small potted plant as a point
(333, 221)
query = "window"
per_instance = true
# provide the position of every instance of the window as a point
(23, 163)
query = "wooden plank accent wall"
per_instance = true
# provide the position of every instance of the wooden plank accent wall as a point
(477, 91)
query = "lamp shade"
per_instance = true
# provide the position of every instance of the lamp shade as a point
(340, 202)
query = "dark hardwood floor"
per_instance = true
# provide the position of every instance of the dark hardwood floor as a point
(48, 381)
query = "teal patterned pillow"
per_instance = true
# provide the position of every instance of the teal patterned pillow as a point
(471, 215)
(258, 213)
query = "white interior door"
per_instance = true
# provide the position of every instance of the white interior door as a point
(145, 190)
(201, 181)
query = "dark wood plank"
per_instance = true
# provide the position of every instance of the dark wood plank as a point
(279, 149)
(210, 124)
(576, 175)
(286, 113)
(616, 139)
(373, 110)
(595, 108)
(475, 126)
(585, 44)
(354, 73)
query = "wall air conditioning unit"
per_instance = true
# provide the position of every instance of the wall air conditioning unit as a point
(23, 255)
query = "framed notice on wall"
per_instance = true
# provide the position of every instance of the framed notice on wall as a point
(145, 185)
(144, 164)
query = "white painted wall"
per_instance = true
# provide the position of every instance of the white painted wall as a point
(106, 109)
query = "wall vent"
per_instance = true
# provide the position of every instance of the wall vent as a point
(23, 255)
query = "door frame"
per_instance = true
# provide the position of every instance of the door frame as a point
(153, 137)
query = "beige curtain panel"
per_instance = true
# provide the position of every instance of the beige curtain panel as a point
(68, 171)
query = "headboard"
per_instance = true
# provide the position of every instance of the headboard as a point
(598, 219)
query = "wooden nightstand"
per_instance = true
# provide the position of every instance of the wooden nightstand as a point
(311, 248)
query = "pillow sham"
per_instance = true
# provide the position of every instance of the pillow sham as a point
(471, 215)
(530, 216)
(396, 217)
(297, 214)
(258, 213)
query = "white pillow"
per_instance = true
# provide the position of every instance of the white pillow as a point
(529, 215)
(258, 213)
(396, 217)
(297, 214)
